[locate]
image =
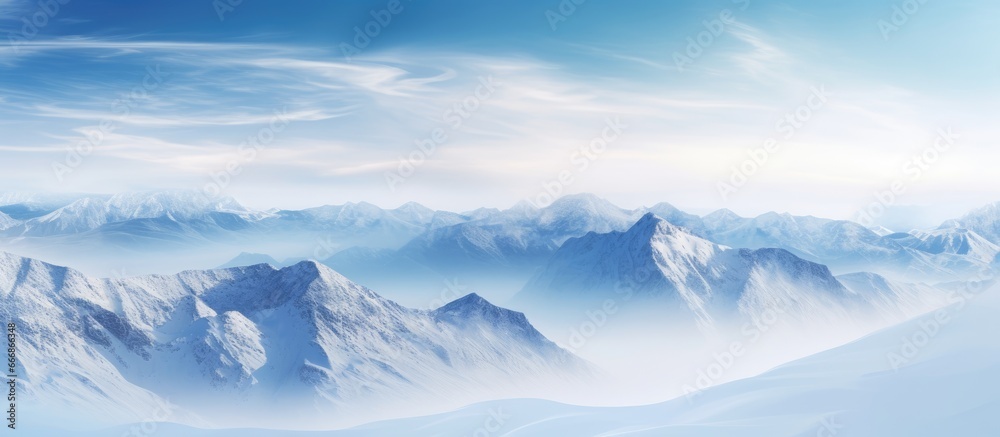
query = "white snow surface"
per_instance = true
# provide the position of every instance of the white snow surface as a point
(881, 230)
(931, 376)
(222, 346)
(6, 222)
(663, 263)
(984, 221)
(92, 212)
(956, 241)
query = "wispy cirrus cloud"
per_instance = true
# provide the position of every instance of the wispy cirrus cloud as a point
(181, 120)
(758, 56)
(350, 122)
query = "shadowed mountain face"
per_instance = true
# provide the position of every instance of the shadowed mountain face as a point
(874, 386)
(301, 340)
(661, 264)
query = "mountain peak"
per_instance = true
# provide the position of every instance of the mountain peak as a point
(724, 214)
(413, 206)
(306, 266)
(580, 213)
(415, 212)
(671, 212)
(472, 310)
(992, 209)
(984, 221)
(251, 258)
(470, 303)
(471, 299)
(362, 207)
(773, 215)
(472, 306)
(340, 344)
(581, 200)
(652, 224)
(648, 219)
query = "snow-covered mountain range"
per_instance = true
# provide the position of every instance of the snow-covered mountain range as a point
(947, 386)
(92, 212)
(656, 262)
(517, 236)
(891, 382)
(298, 343)
(984, 221)
(526, 238)
(496, 251)
(296, 338)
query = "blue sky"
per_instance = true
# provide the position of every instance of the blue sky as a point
(347, 122)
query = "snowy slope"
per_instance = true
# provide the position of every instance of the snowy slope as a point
(817, 239)
(690, 222)
(881, 230)
(60, 367)
(956, 253)
(411, 283)
(7, 221)
(956, 241)
(301, 342)
(842, 245)
(662, 262)
(928, 377)
(891, 296)
(984, 221)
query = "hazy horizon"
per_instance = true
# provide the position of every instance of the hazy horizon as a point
(900, 217)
